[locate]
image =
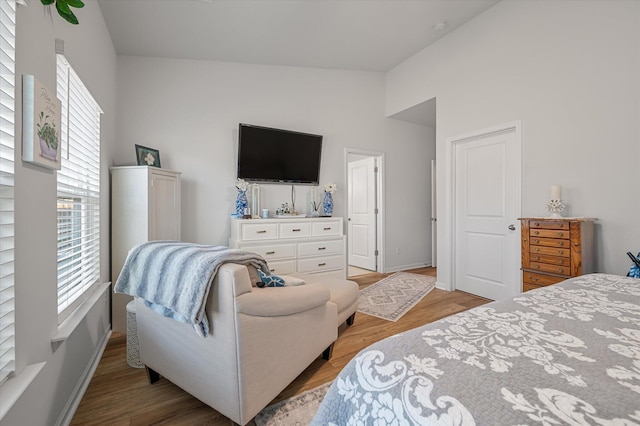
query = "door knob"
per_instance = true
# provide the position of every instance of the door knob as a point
(512, 227)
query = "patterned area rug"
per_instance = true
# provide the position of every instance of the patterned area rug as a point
(393, 296)
(295, 411)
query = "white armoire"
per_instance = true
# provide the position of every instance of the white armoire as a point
(145, 206)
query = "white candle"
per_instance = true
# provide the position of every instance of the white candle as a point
(555, 193)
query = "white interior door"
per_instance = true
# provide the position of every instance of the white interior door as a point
(434, 216)
(487, 205)
(361, 229)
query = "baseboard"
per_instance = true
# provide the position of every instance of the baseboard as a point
(81, 387)
(405, 267)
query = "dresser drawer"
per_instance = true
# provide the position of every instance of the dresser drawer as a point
(274, 251)
(527, 286)
(553, 269)
(326, 228)
(259, 231)
(320, 248)
(548, 224)
(551, 260)
(294, 230)
(550, 233)
(282, 267)
(550, 242)
(564, 252)
(540, 279)
(318, 264)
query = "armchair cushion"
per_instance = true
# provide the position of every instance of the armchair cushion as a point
(273, 302)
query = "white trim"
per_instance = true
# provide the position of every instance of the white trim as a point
(380, 203)
(77, 316)
(12, 389)
(411, 266)
(81, 387)
(516, 127)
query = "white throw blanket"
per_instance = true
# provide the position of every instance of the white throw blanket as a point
(174, 278)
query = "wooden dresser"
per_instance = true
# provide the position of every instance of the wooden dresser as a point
(555, 249)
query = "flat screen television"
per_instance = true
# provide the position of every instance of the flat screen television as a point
(278, 156)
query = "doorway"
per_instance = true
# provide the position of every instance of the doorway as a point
(364, 177)
(486, 205)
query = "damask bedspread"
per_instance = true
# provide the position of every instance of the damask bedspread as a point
(564, 354)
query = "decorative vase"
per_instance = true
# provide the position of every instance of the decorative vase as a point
(327, 204)
(241, 203)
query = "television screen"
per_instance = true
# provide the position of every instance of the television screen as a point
(278, 156)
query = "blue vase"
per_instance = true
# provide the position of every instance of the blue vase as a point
(241, 203)
(327, 204)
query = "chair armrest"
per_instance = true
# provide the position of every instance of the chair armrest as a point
(280, 301)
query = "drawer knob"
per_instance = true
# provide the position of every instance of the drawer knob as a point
(272, 270)
(537, 250)
(270, 252)
(322, 264)
(261, 232)
(536, 241)
(537, 233)
(560, 243)
(559, 251)
(560, 270)
(296, 230)
(326, 229)
(536, 224)
(560, 234)
(537, 267)
(322, 248)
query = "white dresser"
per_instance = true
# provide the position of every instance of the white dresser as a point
(309, 245)
(145, 206)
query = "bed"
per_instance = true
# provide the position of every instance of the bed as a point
(563, 354)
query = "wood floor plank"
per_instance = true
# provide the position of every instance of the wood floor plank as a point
(121, 395)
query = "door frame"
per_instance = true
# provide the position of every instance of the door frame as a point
(516, 127)
(380, 203)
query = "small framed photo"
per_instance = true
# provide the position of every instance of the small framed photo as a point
(147, 156)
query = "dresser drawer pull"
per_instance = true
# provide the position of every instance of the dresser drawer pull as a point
(536, 241)
(261, 232)
(537, 250)
(537, 232)
(560, 243)
(270, 252)
(560, 234)
(296, 230)
(536, 257)
(536, 224)
(560, 270)
(322, 264)
(327, 229)
(559, 251)
(322, 248)
(537, 266)
(560, 261)
(272, 270)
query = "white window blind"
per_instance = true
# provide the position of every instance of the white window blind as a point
(7, 137)
(78, 191)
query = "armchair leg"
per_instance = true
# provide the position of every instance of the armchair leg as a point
(152, 375)
(351, 319)
(326, 355)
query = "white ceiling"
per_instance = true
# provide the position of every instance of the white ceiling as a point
(368, 35)
(364, 35)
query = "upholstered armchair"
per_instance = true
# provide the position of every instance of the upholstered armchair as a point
(260, 340)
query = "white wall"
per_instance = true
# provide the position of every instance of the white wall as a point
(570, 71)
(190, 111)
(90, 51)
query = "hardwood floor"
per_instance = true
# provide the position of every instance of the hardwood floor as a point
(119, 395)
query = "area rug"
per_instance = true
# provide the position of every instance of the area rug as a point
(393, 296)
(295, 411)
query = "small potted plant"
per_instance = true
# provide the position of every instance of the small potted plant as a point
(48, 137)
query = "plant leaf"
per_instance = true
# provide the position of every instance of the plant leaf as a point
(65, 12)
(75, 3)
(47, 2)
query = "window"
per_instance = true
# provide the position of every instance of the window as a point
(78, 191)
(7, 136)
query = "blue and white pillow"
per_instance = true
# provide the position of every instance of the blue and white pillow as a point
(270, 280)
